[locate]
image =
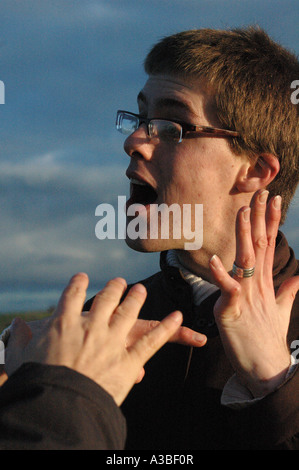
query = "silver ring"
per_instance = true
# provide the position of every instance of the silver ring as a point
(240, 272)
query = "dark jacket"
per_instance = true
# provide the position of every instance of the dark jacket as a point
(177, 404)
(45, 407)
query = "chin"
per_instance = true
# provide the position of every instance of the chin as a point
(145, 246)
(152, 246)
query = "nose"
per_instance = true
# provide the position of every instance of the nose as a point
(139, 144)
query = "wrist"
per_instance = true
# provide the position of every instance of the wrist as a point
(262, 386)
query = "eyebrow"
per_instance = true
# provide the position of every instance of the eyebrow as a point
(167, 103)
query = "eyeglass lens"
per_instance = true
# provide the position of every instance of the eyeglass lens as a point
(127, 123)
(165, 130)
(157, 128)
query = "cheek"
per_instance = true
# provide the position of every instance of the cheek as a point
(186, 185)
(190, 170)
(195, 171)
(210, 164)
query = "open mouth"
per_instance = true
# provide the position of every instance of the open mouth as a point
(141, 193)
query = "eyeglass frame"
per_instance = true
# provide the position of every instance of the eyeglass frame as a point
(186, 127)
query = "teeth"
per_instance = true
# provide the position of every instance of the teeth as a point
(135, 181)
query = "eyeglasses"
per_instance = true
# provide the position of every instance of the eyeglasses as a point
(164, 130)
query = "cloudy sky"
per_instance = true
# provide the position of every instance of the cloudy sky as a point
(67, 66)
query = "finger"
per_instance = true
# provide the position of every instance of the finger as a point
(72, 299)
(188, 337)
(150, 343)
(258, 229)
(245, 257)
(20, 334)
(183, 335)
(287, 292)
(230, 289)
(127, 312)
(3, 375)
(273, 216)
(140, 376)
(107, 300)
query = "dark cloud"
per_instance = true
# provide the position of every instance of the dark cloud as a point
(68, 65)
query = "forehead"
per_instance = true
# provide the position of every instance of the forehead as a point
(162, 92)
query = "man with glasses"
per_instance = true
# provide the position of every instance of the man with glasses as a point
(216, 126)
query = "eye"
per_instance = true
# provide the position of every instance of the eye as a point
(167, 130)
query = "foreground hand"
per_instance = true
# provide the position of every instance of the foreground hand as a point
(252, 322)
(95, 343)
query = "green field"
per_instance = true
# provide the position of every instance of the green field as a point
(7, 318)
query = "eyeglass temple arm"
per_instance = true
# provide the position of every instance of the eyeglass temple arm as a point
(215, 131)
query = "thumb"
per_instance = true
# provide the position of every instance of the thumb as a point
(287, 292)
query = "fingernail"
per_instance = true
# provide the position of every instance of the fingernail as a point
(177, 316)
(215, 262)
(277, 202)
(75, 276)
(246, 215)
(263, 196)
(199, 338)
(120, 280)
(139, 288)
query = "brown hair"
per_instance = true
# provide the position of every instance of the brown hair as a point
(251, 78)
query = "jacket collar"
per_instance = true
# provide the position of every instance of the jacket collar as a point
(285, 264)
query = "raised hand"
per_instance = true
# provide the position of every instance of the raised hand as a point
(252, 320)
(101, 343)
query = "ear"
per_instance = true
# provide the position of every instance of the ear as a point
(258, 175)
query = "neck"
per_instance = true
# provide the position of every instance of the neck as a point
(220, 241)
(197, 261)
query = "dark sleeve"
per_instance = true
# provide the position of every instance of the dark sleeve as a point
(54, 407)
(273, 422)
